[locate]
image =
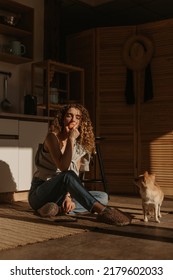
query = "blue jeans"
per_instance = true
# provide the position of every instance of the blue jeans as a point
(55, 189)
(102, 197)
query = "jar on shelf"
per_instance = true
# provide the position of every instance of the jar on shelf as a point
(54, 96)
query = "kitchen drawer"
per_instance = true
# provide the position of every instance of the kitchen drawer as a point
(9, 127)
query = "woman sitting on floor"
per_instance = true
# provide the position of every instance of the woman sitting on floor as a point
(66, 150)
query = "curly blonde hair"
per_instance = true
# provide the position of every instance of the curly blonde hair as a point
(86, 138)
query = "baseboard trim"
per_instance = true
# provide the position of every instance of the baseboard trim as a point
(13, 197)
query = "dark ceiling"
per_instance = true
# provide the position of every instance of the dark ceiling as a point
(78, 15)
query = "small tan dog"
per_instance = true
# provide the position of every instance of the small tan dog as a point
(151, 194)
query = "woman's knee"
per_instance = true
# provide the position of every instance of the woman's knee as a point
(70, 174)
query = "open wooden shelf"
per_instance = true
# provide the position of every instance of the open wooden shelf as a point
(54, 79)
(23, 31)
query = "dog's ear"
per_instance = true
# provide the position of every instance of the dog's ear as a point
(146, 174)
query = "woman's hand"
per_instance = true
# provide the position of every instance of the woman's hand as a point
(72, 130)
(74, 133)
(68, 205)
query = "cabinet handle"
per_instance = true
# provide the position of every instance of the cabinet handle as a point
(8, 136)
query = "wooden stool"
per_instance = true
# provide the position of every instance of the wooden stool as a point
(102, 180)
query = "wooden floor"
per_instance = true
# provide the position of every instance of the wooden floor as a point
(139, 241)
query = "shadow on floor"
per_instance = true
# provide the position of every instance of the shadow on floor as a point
(136, 241)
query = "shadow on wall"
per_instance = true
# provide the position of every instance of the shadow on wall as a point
(7, 181)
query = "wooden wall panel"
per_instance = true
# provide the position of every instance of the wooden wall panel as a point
(115, 119)
(156, 116)
(137, 137)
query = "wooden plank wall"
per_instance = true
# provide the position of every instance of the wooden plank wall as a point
(156, 117)
(115, 119)
(137, 137)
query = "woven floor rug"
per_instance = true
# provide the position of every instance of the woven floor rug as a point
(19, 225)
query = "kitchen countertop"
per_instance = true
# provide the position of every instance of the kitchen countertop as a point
(24, 117)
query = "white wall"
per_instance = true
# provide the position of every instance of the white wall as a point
(20, 82)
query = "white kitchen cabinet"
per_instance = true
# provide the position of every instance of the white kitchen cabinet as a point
(9, 171)
(30, 135)
(18, 144)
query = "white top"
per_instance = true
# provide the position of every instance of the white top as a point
(47, 169)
